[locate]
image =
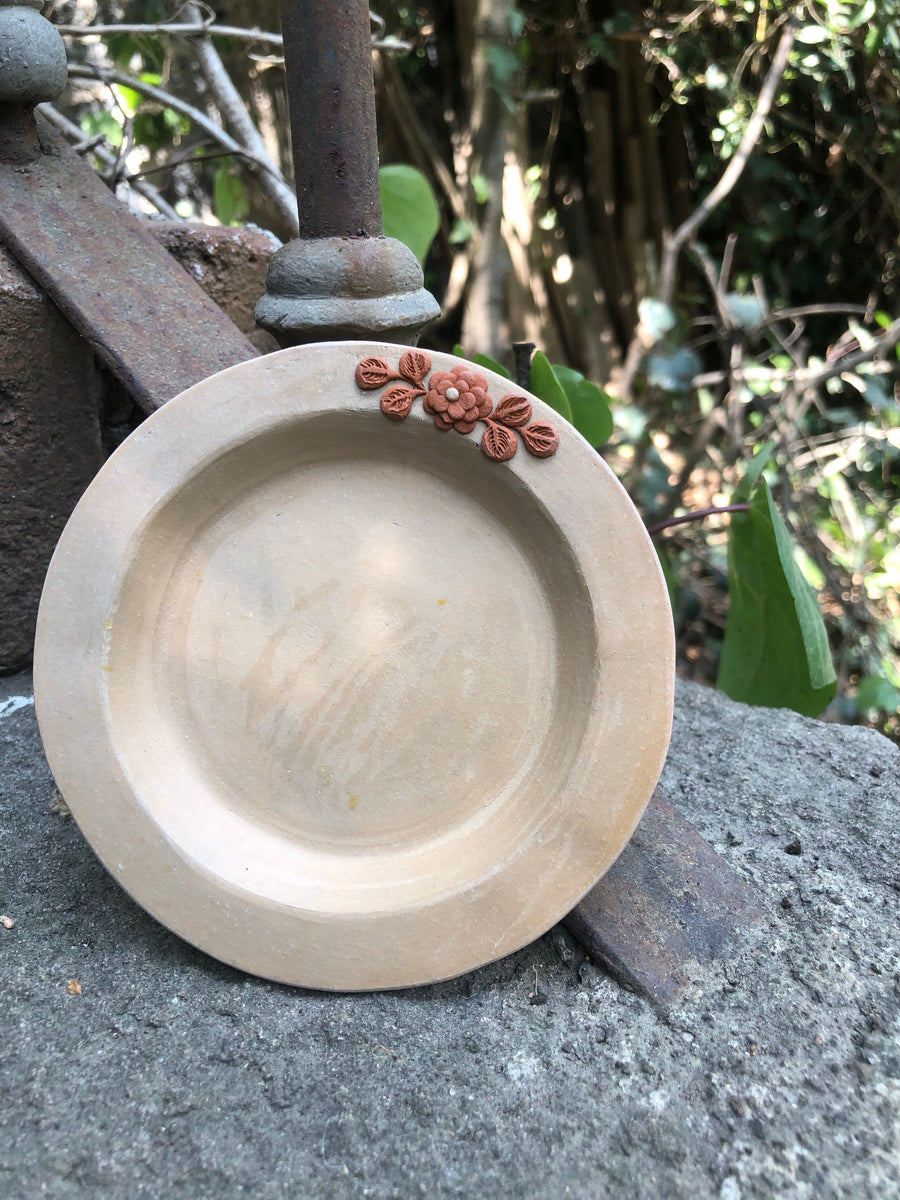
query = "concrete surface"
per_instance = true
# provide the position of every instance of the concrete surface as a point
(169, 1075)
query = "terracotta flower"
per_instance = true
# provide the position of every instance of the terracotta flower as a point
(457, 399)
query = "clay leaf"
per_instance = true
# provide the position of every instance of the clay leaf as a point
(498, 442)
(541, 439)
(513, 410)
(372, 372)
(397, 401)
(415, 365)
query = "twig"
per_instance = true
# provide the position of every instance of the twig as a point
(715, 420)
(727, 261)
(716, 286)
(815, 378)
(770, 322)
(174, 29)
(180, 160)
(815, 310)
(67, 127)
(210, 28)
(216, 132)
(732, 173)
(234, 113)
(698, 515)
(100, 75)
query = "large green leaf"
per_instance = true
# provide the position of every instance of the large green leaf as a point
(409, 209)
(776, 648)
(546, 385)
(482, 360)
(591, 414)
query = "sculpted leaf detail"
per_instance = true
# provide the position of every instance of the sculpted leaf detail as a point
(372, 372)
(414, 365)
(498, 442)
(513, 410)
(458, 399)
(540, 439)
(397, 401)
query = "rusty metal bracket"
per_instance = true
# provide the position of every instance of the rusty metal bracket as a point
(144, 316)
(668, 909)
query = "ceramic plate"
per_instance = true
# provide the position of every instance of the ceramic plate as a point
(340, 698)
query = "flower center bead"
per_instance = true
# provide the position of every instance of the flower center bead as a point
(452, 394)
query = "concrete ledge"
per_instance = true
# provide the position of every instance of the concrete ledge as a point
(171, 1075)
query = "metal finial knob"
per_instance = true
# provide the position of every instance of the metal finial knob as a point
(33, 69)
(32, 56)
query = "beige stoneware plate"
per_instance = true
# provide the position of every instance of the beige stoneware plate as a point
(338, 698)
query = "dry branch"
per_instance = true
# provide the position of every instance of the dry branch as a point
(732, 173)
(234, 113)
(106, 156)
(265, 168)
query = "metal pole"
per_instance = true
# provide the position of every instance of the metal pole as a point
(342, 278)
(328, 61)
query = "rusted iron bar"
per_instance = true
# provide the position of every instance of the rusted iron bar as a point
(341, 278)
(328, 63)
(668, 910)
(143, 315)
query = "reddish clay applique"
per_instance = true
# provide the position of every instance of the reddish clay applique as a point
(458, 399)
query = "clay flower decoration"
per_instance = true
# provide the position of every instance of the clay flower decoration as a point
(458, 399)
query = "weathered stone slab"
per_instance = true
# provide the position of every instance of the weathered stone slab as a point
(60, 413)
(538, 1076)
(49, 446)
(229, 263)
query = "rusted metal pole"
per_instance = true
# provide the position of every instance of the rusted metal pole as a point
(328, 61)
(341, 278)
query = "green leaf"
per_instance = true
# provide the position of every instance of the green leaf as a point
(547, 387)
(776, 650)
(481, 188)
(876, 391)
(409, 209)
(745, 310)
(229, 195)
(491, 364)
(102, 122)
(504, 64)
(460, 233)
(876, 692)
(673, 371)
(758, 464)
(482, 360)
(591, 413)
